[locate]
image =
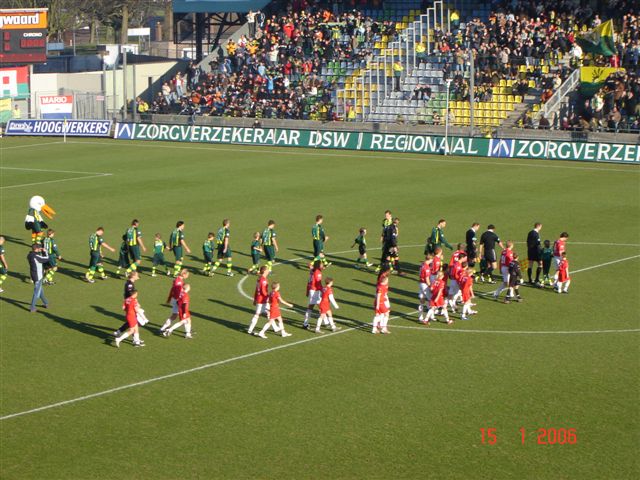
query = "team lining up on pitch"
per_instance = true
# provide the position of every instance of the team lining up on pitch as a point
(442, 286)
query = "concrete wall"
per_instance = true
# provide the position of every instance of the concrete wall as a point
(142, 80)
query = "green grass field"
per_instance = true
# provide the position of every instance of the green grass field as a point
(344, 405)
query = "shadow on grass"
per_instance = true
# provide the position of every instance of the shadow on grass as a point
(238, 327)
(17, 303)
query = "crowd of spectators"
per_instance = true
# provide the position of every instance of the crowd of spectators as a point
(275, 73)
(614, 107)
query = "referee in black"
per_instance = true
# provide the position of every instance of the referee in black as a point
(472, 244)
(488, 242)
(534, 252)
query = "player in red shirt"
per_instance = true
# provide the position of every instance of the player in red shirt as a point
(455, 269)
(436, 263)
(466, 285)
(559, 247)
(382, 307)
(505, 260)
(460, 252)
(424, 292)
(183, 313)
(261, 298)
(131, 308)
(564, 280)
(275, 317)
(314, 290)
(437, 301)
(326, 302)
(174, 296)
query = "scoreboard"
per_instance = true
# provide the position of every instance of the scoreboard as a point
(23, 35)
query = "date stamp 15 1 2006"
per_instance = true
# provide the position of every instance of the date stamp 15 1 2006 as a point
(545, 436)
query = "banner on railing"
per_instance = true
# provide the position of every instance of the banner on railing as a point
(56, 106)
(383, 142)
(70, 128)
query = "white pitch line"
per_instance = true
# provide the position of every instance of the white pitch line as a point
(53, 171)
(30, 145)
(56, 181)
(325, 153)
(518, 332)
(603, 264)
(280, 347)
(180, 373)
(171, 375)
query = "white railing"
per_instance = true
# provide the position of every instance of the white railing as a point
(553, 104)
(403, 50)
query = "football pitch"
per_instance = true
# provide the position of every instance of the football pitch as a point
(546, 388)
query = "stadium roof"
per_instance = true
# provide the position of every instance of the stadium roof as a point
(217, 6)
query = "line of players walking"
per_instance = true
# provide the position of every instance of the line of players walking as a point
(442, 286)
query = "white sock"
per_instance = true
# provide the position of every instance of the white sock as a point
(187, 328)
(136, 338)
(254, 321)
(446, 314)
(167, 324)
(266, 327)
(326, 320)
(384, 321)
(330, 319)
(176, 325)
(431, 314)
(307, 314)
(319, 324)
(465, 310)
(376, 322)
(124, 335)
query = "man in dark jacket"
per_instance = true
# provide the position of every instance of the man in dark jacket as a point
(37, 259)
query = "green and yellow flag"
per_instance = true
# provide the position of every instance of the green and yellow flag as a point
(592, 78)
(599, 41)
(5, 109)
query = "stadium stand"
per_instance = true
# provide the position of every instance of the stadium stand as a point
(408, 61)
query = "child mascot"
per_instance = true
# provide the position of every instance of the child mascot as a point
(34, 222)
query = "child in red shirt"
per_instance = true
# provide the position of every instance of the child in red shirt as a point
(275, 317)
(466, 284)
(183, 314)
(260, 298)
(564, 280)
(382, 307)
(131, 308)
(437, 300)
(326, 302)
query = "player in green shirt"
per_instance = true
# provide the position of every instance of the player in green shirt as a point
(207, 251)
(269, 243)
(319, 237)
(436, 239)
(158, 255)
(96, 242)
(51, 247)
(4, 268)
(547, 256)
(361, 241)
(178, 245)
(134, 242)
(256, 251)
(123, 255)
(224, 249)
